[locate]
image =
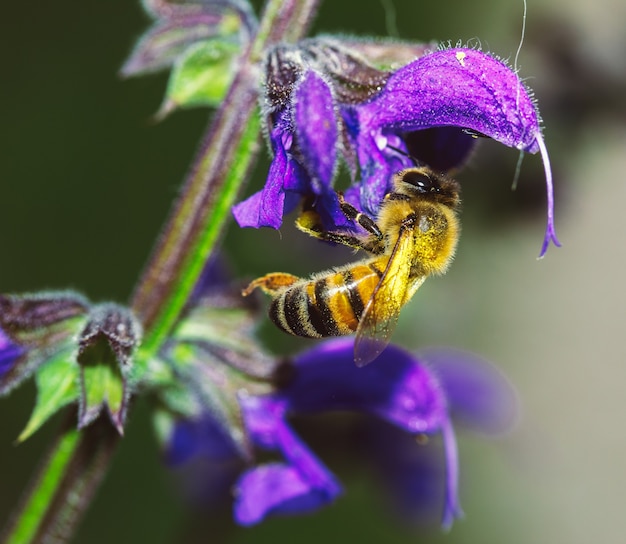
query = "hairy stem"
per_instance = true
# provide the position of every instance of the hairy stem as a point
(224, 159)
(76, 463)
(65, 483)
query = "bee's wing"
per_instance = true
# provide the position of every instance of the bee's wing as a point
(380, 316)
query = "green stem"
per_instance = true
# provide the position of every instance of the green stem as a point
(65, 483)
(223, 162)
(77, 462)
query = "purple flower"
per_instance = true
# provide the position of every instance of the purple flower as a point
(432, 109)
(402, 391)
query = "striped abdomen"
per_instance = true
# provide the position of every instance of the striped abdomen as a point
(330, 304)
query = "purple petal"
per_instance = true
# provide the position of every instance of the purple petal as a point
(302, 485)
(452, 509)
(276, 489)
(457, 87)
(286, 177)
(9, 353)
(265, 208)
(265, 422)
(316, 128)
(253, 211)
(263, 416)
(397, 388)
(479, 395)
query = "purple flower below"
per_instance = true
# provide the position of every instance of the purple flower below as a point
(400, 390)
(404, 398)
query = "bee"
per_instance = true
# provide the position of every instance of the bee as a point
(414, 236)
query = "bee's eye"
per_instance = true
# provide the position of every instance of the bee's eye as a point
(422, 182)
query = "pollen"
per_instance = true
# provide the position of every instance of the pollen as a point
(460, 56)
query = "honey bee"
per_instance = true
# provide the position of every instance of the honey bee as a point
(414, 236)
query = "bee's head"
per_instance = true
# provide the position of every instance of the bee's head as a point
(422, 182)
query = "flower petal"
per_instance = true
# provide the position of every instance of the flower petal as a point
(265, 208)
(302, 485)
(397, 388)
(457, 87)
(452, 508)
(479, 395)
(286, 179)
(276, 489)
(265, 421)
(316, 129)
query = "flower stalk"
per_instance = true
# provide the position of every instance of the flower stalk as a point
(225, 157)
(61, 492)
(67, 480)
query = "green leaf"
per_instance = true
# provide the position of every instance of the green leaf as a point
(201, 75)
(57, 386)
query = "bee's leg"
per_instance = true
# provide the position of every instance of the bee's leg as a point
(362, 219)
(309, 221)
(271, 284)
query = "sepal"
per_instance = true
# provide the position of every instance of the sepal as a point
(201, 75)
(33, 329)
(212, 356)
(353, 79)
(388, 54)
(57, 386)
(201, 40)
(105, 349)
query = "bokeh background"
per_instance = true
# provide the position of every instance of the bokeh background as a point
(87, 178)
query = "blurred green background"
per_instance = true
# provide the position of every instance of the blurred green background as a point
(87, 179)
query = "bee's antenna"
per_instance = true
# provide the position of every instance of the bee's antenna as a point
(519, 48)
(518, 169)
